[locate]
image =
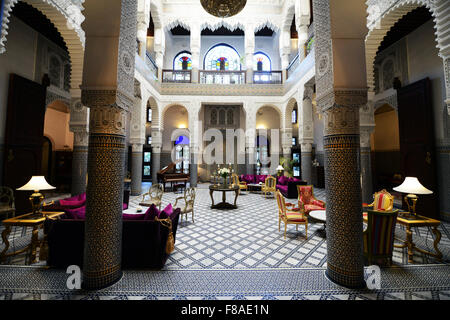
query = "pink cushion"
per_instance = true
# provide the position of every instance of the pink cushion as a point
(317, 203)
(124, 206)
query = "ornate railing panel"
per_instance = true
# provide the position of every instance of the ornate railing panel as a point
(268, 77)
(222, 77)
(180, 76)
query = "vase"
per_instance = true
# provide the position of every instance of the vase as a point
(225, 182)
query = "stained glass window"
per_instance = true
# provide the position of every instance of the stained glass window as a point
(261, 62)
(182, 61)
(222, 57)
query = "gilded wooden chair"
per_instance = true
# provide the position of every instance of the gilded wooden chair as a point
(188, 200)
(154, 194)
(290, 216)
(242, 184)
(270, 185)
(7, 202)
(382, 201)
(307, 200)
(378, 238)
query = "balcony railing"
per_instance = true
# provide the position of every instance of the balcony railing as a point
(222, 77)
(292, 66)
(268, 77)
(151, 64)
(178, 76)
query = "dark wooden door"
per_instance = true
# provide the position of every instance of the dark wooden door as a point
(23, 136)
(415, 116)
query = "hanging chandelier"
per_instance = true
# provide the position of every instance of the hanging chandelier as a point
(223, 8)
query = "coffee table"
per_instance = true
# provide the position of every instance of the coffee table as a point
(319, 215)
(224, 189)
(254, 187)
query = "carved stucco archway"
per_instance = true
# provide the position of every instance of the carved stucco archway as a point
(382, 17)
(67, 19)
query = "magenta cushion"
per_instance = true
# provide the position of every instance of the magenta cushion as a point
(71, 204)
(124, 206)
(151, 213)
(76, 214)
(166, 213)
(283, 180)
(130, 216)
(282, 188)
(260, 178)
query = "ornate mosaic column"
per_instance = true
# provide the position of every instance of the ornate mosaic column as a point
(193, 165)
(340, 99)
(79, 126)
(109, 109)
(306, 162)
(136, 169)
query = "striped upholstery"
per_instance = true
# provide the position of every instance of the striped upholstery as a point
(382, 201)
(379, 236)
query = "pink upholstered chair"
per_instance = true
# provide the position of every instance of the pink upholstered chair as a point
(307, 200)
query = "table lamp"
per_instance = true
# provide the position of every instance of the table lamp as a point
(280, 169)
(36, 184)
(412, 186)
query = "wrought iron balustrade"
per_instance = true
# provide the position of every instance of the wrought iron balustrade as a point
(180, 76)
(222, 77)
(151, 64)
(293, 65)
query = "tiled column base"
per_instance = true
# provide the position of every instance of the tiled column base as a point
(103, 226)
(344, 216)
(306, 167)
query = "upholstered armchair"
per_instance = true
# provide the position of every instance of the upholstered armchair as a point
(7, 202)
(382, 201)
(290, 215)
(188, 203)
(307, 200)
(242, 184)
(270, 185)
(154, 194)
(378, 238)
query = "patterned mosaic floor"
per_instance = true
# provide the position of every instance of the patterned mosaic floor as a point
(247, 240)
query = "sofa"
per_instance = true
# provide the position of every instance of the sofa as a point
(144, 240)
(75, 206)
(286, 185)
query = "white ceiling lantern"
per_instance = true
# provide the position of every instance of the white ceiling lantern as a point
(223, 8)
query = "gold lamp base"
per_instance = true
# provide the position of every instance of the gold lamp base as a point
(36, 202)
(411, 200)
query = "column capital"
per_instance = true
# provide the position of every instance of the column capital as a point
(306, 146)
(137, 147)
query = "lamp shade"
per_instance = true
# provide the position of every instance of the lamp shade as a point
(280, 168)
(36, 183)
(412, 185)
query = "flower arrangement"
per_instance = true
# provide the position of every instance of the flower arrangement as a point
(224, 172)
